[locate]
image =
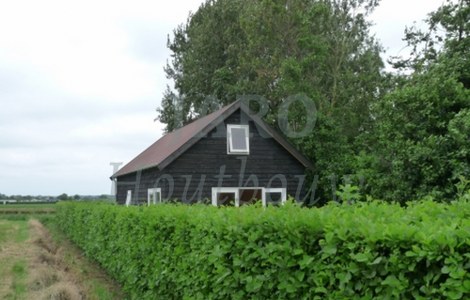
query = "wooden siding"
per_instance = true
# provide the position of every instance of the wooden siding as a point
(203, 162)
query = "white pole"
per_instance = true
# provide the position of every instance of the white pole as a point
(116, 166)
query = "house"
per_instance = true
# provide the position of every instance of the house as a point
(229, 157)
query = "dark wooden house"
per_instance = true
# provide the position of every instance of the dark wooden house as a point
(227, 157)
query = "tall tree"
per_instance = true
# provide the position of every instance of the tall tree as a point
(204, 64)
(275, 49)
(421, 141)
(447, 35)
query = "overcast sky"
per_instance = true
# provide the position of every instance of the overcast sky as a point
(80, 81)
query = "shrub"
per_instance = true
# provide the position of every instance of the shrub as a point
(365, 250)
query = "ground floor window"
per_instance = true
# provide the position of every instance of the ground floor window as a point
(225, 196)
(275, 196)
(154, 196)
(236, 196)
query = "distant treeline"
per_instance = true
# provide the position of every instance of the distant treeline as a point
(43, 198)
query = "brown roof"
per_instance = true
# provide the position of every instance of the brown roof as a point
(170, 146)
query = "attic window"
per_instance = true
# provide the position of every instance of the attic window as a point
(238, 141)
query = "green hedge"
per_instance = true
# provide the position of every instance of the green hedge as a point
(372, 250)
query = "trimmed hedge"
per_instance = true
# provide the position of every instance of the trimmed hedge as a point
(365, 250)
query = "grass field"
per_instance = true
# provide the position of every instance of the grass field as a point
(29, 209)
(28, 205)
(34, 266)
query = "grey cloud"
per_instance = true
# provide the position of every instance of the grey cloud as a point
(148, 40)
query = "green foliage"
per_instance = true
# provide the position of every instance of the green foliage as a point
(359, 251)
(448, 34)
(463, 187)
(348, 193)
(420, 142)
(274, 49)
(407, 136)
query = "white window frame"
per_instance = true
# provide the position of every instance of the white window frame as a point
(236, 191)
(154, 191)
(129, 197)
(276, 190)
(230, 149)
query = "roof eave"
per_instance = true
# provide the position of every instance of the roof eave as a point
(199, 136)
(186, 145)
(117, 174)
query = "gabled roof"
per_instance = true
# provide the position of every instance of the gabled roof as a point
(172, 145)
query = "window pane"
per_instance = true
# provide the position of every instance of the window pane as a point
(227, 199)
(154, 195)
(273, 198)
(249, 196)
(239, 139)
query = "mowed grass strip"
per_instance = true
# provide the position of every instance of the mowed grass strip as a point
(95, 281)
(13, 268)
(33, 265)
(18, 287)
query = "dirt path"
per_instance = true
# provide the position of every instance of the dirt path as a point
(32, 265)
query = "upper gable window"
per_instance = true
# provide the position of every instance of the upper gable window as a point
(238, 139)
